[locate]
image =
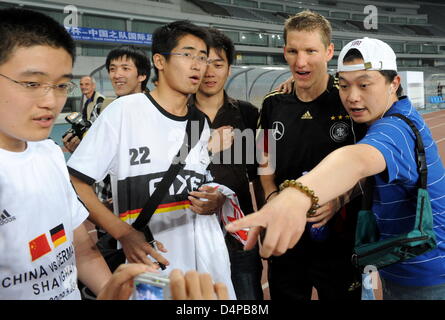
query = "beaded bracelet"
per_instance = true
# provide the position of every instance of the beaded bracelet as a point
(305, 190)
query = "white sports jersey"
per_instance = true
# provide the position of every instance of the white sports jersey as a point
(135, 141)
(39, 210)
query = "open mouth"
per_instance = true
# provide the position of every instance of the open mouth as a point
(195, 79)
(210, 83)
(357, 112)
(302, 74)
(44, 121)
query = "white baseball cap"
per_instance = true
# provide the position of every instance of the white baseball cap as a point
(377, 55)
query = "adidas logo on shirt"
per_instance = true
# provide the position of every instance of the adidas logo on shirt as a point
(306, 116)
(5, 217)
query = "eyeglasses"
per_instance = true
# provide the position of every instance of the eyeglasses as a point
(202, 59)
(38, 89)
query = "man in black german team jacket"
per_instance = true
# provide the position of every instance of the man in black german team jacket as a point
(307, 124)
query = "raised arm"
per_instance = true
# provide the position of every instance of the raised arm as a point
(285, 216)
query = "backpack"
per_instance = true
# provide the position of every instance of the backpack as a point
(369, 250)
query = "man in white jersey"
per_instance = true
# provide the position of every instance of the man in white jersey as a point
(135, 139)
(44, 246)
(128, 70)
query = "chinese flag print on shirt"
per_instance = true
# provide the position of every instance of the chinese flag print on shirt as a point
(39, 247)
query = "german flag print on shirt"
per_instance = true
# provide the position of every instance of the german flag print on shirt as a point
(133, 193)
(162, 208)
(58, 235)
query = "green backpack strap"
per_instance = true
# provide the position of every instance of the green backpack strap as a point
(424, 218)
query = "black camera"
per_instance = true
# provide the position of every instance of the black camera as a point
(78, 125)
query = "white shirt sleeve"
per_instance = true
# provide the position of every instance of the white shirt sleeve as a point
(95, 155)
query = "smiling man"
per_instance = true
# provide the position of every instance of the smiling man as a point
(308, 124)
(92, 97)
(135, 139)
(128, 70)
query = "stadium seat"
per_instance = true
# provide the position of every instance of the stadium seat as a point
(437, 99)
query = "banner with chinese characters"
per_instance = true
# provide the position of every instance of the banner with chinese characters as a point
(104, 35)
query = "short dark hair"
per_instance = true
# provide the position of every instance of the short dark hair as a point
(167, 37)
(138, 56)
(389, 75)
(222, 42)
(27, 28)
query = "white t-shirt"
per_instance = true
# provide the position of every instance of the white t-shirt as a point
(39, 210)
(135, 140)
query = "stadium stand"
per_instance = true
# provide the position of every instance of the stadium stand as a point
(242, 13)
(285, 15)
(436, 17)
(357, 25)
(419, 30)
(346, 25)
(211, 8)
(415, 29)
(272, 17)
(393, 29)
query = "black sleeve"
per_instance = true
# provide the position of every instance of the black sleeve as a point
(263, 122)
(250, 115)
(81, 176)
